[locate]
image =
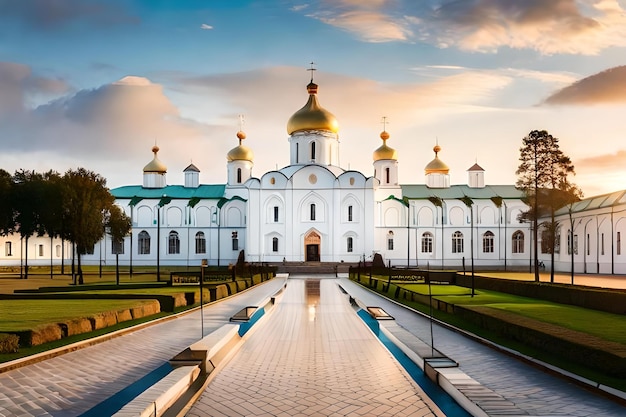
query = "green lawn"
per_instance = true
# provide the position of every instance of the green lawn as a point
(604, 325)
(16, 315)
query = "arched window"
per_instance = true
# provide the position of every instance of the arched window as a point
(457, 242)
(57, 251)
(387, 175)
(238, 175)
(200, 243)
(349, 243)
(143, 243)
(312, 151)
(427, 242)
(518, 242)
(312, 211)
(488, 238)
(275, 244)
(390, 240)
(173, 243)
(349, 213)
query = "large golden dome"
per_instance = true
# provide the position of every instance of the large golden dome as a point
(436, 166)
(384, 151)
(241, 152)
(312, 116)
(155, 165)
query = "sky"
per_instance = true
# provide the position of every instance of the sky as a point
(96, 83)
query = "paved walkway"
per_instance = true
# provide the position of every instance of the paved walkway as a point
(71, 384)
(313, 357)
(530, 389)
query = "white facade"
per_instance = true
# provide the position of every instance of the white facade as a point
(597, 228)
(314, 210)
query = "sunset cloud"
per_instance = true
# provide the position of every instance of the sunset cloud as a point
(549, 27)
(112, 121)
(608, 86)
(604, 163)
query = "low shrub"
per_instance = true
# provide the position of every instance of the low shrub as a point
(9, 343)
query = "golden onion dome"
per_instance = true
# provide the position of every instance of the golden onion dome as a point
(241, 152)
(436, 166)
(312, 116)
(155, 165)
(384, 151)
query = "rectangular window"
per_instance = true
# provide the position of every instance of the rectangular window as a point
(390, 244)
(350, 242)
(235, 243)
(602, 245)
(275, 244)
(275, 214)
(312, 211)
(588, 246)
(349, 213)
(117, 247)
(8, 250)
(40, 250)
(575, 244)
(619, 244)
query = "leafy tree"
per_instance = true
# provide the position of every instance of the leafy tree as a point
(86, 200)
(118, 225)
(29, 204)
(7, 219)
(542, 175)
(53, 216)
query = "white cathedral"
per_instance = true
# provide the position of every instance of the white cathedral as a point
(313, 210)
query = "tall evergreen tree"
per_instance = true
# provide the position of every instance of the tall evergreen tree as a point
(543, 176)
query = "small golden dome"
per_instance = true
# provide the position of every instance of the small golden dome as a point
(436, 166)
(384, 151)
(155, 165)
(241, 152)
(312, 116)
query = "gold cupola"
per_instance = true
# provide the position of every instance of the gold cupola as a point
(241, 152)
(312, 116)
(436, 166)
(155, 165)
(384, 151)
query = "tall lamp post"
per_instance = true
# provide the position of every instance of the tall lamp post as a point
(204, 265)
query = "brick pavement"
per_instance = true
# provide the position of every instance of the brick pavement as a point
(313, 357)
(73, 383)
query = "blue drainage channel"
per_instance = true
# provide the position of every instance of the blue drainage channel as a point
(115, 403)
(445, 402)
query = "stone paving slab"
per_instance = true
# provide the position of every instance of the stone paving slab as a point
(533, 391)
(313, 357)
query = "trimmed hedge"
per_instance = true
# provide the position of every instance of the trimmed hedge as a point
(593, 352)
(9, 343)
(611, 301)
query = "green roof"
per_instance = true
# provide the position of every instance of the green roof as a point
(171, 191)
(600, 201)
(422, 192)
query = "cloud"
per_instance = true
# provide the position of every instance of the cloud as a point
(549, 27)
(204, 26)
(115, 121)
(54, 14)
(370, 21)
(18, 85)
(608, 86)
(604, 163)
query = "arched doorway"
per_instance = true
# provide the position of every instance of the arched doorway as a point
(312, 247)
